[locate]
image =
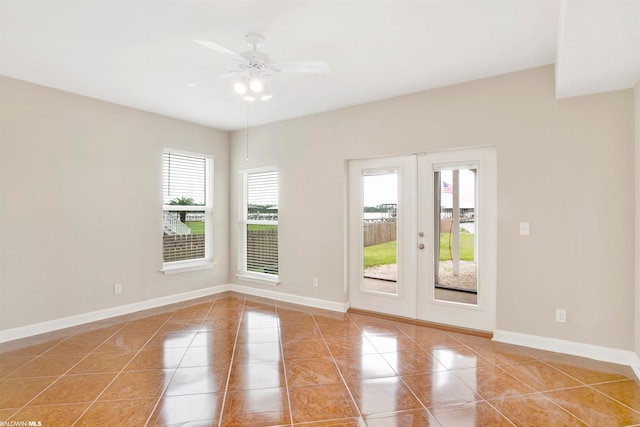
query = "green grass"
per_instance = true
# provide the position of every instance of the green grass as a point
(252, 227)
(385, 253)
(466, 247)
(382, 254)
(197, 227)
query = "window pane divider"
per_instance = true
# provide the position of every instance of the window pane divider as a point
(185, 208)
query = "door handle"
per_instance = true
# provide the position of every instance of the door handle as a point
(421, 246)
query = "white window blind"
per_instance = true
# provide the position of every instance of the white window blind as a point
(261, 223)
(187, 208)
(185, 176)
(262, 192)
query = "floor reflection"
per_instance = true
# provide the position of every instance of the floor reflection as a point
(230, 360)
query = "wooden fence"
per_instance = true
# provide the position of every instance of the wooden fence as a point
(181, 247)
(262, 251)
(378, 232)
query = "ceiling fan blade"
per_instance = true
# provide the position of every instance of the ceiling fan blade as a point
(222, 50)
(222, 76)
(301, 66)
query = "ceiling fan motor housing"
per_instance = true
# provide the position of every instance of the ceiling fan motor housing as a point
(255, 61)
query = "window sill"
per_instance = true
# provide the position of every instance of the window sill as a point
(187, 266)
(262, 279)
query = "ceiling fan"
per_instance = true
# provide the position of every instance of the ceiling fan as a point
(255, 68)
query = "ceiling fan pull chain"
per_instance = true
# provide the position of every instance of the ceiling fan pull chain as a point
(247, 133)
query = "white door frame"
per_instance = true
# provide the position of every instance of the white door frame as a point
(481, 316)
(416, 290)
(404, 302)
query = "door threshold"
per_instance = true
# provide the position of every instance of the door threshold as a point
(380, 278)
(451, 288)
(440, 326)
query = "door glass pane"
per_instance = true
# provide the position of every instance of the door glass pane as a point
(380, 207)
(456, 269)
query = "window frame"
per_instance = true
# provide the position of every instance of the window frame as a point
(207, 261)
(243, 222)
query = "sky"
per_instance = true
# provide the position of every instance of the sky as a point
(380, 189)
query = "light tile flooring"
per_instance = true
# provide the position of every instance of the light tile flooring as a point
(235, 360)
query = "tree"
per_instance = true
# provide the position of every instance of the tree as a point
(182, 201)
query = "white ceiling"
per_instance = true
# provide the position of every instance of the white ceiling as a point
(141, 53)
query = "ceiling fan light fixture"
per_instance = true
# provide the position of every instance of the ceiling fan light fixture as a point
(266, 97)
(249, 97)
(256, 84)
(266, 94)
(255, 68)
(240, 87)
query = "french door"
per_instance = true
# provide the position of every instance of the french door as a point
(382, 226)
(422, 236)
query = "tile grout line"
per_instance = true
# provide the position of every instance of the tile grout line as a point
(284, 366)
(125, 366)
(447, 370)
(488, 402)
(335, 363)
(582, 385)
(407, 385)
(611, 397)
(64, 373)
(428, 351)
(536, 392)
(231, 366)
(243, 309)
(176, 369)
(35, 358)
(451, 371)
(565, 410)
(118, 374)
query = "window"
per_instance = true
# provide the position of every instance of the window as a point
(187, 204)
(259, 226)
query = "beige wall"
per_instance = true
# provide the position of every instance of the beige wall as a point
(80, 198)
(566, 166)
(636, 92)
(80, 208)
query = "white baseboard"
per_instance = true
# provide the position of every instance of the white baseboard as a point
(67, 322)
(296, 299)
(635, 364)
(605, 354)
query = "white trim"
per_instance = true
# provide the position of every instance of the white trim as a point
(173, 267)
(295, 299)
(178, 266)
(67, 322)
(261, 279)
(186, 153)
(403, 302)
(482, 315)
(635, 364)
(605, 354)
(243, 272)
(187, 208)
(93, 316)
(272, 168)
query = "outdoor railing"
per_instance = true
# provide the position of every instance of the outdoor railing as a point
(171, 224)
